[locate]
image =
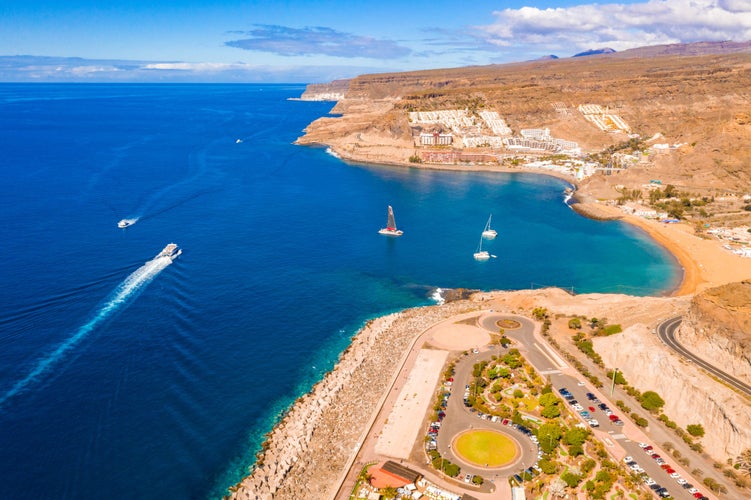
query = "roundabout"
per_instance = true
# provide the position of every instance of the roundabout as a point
(508, 324)
(486, 448)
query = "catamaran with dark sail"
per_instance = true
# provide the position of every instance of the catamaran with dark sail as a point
(390, 229)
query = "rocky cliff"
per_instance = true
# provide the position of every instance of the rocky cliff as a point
(690, 395)
(718, 326)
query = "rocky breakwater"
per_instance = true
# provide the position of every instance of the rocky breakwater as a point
(307, 452)
(691, 396)
(718, 328)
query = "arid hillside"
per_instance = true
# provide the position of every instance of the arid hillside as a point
(696, 95)
(718, 325)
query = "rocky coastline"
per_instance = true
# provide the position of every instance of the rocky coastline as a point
(307, 452)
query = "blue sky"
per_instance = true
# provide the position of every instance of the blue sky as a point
(314, 41)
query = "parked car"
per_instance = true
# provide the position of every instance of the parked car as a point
(467, 478)
(594, 423)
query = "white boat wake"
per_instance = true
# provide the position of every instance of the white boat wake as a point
(126, 291)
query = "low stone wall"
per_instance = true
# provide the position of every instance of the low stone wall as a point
(307, 451)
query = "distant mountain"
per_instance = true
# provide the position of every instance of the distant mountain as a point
(594, 52)
(549, 57)
(688, 49)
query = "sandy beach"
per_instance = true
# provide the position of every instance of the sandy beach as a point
(299, 457)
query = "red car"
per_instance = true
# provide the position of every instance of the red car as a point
(647, 448)
(613, 418)
(592, 409)
(665, 466)
(698, 494)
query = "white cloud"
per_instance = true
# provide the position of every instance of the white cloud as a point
(621, 26)
(198, 67)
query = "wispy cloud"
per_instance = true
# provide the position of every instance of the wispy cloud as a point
(75, 69)
(287, 41)
(620, 26)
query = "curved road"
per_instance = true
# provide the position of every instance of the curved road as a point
(459, 419)
(666, 332)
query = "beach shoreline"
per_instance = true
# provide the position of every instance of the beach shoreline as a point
(691, 278)
(293, 457)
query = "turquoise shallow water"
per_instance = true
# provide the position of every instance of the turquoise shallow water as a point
(155, 381)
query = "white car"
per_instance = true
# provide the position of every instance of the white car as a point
(682, 481)
(693, 490)
(628, 459)
(675, 475)
(649, 481)
(643, 445)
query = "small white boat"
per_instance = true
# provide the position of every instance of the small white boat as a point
(489, 233)
(239, 141)
(126, 223)
(390, 229)
(481, 254)
(171, 251)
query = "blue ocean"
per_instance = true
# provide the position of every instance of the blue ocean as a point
(126, 376)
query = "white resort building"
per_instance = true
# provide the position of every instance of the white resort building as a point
(436, 139)
(603, 119)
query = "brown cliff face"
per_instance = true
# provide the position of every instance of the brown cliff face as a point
(718, 328)
(694, 94)
(690, 396)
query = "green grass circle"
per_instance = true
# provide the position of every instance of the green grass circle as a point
(486, 448)
(508, 324)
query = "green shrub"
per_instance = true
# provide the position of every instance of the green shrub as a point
(548, 466)
(572, 480)
(696, 430)
(651, 401)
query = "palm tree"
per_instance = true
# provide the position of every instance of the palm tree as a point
(389, 492)
(744, 462)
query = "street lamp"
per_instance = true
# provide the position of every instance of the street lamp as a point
(612, 387)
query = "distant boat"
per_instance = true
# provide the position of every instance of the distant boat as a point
(489, 233)
(239, 141)
(126, 223)
(481, 254)
(390, 229)
(171, 251)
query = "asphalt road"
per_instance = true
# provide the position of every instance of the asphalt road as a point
(555, 369)
(459, 418)
(666, 332)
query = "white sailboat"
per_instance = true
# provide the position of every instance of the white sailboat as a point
(390, 229)
(489, 233)
(481, 254)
